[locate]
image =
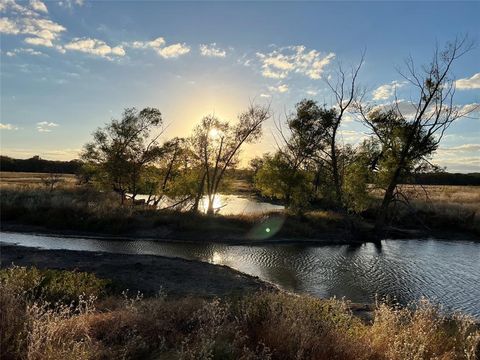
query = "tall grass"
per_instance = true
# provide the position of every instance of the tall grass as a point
(438, 207)
(261, 326)
(84, 209)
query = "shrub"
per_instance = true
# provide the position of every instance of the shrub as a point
(260, 326)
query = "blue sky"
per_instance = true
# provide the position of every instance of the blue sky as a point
(68, 67)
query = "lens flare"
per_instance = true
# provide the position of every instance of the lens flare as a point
(267, 228)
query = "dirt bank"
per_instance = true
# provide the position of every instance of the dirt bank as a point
(145, 273)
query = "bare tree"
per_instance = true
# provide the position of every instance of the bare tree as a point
(51, 181)
(346, 93)
(409, 138)
(217, 143)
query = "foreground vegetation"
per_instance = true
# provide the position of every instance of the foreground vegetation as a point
(70, 315)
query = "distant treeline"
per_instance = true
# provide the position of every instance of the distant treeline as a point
(37, 164)
(446, 178)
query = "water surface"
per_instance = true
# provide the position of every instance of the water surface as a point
(448, 273)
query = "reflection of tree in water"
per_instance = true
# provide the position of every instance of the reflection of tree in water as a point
(361, 273)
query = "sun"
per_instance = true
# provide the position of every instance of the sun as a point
(214, 133)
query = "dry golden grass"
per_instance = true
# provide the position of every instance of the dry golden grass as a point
(33, 180)
(439, 207)
(261, 326)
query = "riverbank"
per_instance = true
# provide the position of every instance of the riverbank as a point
(74, 315)
(147, 274)
(87, 213)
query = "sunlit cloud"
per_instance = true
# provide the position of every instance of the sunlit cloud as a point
(37, 5)
(211, 50)
(469, 83)
(8, 26)
(158, 45)
(154, 44)
(284, 61)
(95, 47)
(8, 127)
(173, 51)
(45, 126)
(386, 91)
(40, 32)
(282, 88)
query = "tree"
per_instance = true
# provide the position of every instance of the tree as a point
(408, 138)
(216, 145)
(346, 93)
(277, 178)
(314, 132)
(122, 150)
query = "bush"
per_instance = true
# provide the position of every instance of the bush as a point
(261, 326)
(53, 285)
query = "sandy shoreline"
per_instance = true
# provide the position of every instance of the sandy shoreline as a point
(145, 273)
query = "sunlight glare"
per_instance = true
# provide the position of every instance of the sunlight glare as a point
(214, 133)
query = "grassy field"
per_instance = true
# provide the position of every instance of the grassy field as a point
(441, 207)
(72, 315)
(33, 180)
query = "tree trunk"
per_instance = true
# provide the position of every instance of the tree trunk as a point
(335, 173)
(210, 209)
(387, 199)
(199, 195)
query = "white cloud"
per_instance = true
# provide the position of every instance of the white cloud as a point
(8, 127)
(459, 164)
(13, 7)
(45, 126)
(37, 5)
(282, 88)
(38, 41)
(154, 44)
(24, 51)
(386, 91)
(265, 95)
(352, 136)
(70, 3)
(408, 109)
(8, 26)
(312, 92)
(470, 110)
(41, 32)
(461, 148)
(281, 62)
(469, 83)
(173, 51)
(94, 47)
(212, 50)
(158, 45)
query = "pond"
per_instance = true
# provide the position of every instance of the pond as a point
(226, 204)
(448, 273)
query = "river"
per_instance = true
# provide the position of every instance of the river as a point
(446, 272)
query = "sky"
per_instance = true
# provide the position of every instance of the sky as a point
(69, 67)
